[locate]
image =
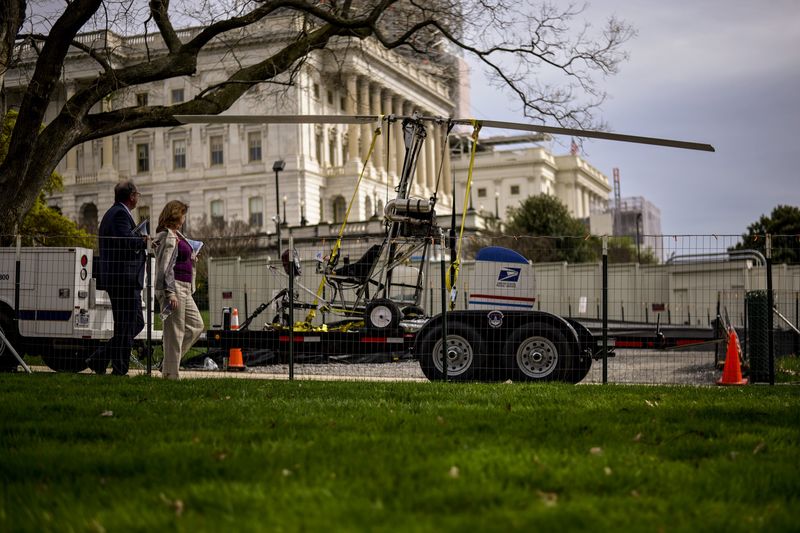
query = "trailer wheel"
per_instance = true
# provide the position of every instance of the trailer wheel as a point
(579, 369)
(537, 352)
(465, 355)
(382, 313)
(66, 359)
(7, 360)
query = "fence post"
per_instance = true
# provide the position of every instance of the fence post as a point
(797, 323)
(444, 304)
(770, 307)
(291, 306)
(605, 308)
(149, 305)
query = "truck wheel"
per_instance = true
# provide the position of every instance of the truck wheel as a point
(7, 360)
(537, 352)
(382, 313)
(65, 359)
(465, 355)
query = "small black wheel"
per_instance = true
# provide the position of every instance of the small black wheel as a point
(282, 319)
(465, 353)
(538, 352)
(381, 314)
(66, 359)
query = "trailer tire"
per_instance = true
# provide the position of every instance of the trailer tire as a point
(579, 369)
(7, 360)
(66, 359)
(382, 314)
(465, 351)
(538, 352)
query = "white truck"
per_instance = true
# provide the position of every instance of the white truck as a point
(55, 311)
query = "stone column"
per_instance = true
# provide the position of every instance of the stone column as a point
(72, 154)
(375, 109)
(432, 156)
(447, 171)
(438, 163)
(350, 109)
(422, 169)
(363, 109)
(390, 162)
(108, 143)
(400, 147)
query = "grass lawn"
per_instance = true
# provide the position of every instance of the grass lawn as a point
(85, 452)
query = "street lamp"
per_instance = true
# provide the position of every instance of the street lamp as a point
(303, 220)
(277, 166)
(496, 204)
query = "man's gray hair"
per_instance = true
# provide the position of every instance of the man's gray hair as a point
(123, 190)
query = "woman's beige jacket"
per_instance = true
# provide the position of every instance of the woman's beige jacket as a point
(166, 244)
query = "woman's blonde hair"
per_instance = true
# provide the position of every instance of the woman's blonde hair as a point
(171, 215)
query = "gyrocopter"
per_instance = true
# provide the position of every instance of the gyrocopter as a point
(523, 345)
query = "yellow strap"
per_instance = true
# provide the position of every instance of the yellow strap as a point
(455, 265)
(338, 244)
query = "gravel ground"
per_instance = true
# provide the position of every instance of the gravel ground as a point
(643, 367)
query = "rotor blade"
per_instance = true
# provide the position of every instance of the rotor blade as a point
(588, 133)
(277, 119)
(367, 119)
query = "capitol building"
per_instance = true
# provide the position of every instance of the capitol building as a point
(304, 175)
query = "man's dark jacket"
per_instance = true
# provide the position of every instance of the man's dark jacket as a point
(122, 256)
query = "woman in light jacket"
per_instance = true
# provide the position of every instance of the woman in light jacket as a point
(174, 287)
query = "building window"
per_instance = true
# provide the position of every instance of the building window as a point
(254, 146)
(142, 158)
(515, 190)
(316, 91)
(256, 211)
(318, 146)
(179, 155)
(79, 155)
(216, 150)
(332, 147)
(345, 147)
(339, 209)
(482, 192)
(217, 213)
(330, 97)
(143, 213)
(177, 96)
(141, 99)
(342, 103)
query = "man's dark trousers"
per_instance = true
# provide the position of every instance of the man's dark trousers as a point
(126, 307)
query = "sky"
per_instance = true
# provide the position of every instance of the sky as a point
(721, 72)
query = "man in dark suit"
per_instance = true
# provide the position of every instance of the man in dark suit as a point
(120, 272)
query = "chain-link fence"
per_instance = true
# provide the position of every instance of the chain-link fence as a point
(519, 308)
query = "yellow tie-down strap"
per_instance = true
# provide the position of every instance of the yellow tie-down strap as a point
(455, 264)
(338, 244)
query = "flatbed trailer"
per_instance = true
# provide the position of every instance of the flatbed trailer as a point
(481, 345)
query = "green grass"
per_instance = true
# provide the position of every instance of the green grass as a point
(198, 455)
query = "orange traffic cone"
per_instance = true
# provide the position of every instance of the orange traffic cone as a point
(235, 360)
(732, 373)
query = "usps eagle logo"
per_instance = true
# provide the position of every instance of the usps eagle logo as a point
(508, 277)
(495, 318)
